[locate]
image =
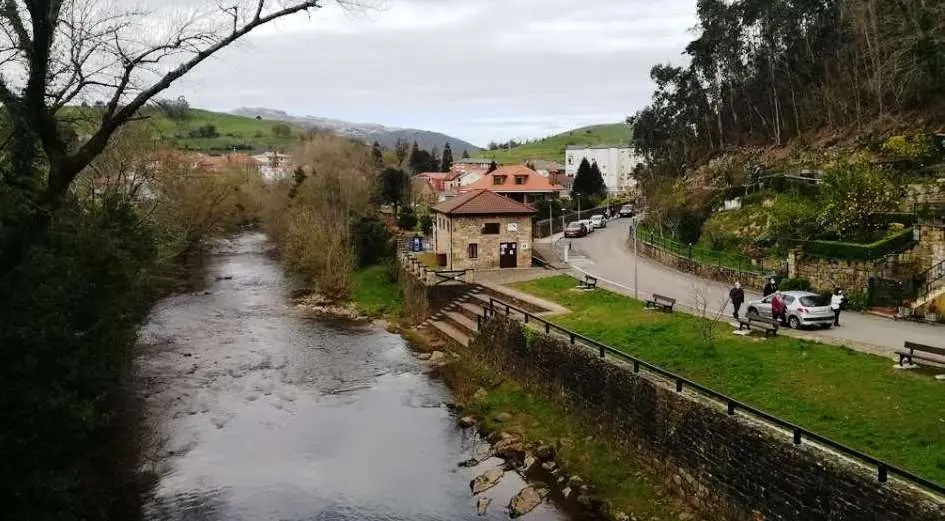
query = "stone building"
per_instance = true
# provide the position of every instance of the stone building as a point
(482, 230)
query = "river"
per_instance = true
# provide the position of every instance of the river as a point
(257, 413)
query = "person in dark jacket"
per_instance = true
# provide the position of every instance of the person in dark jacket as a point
(770, 287)
(737, 296)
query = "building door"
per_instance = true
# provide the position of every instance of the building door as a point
(508, 255)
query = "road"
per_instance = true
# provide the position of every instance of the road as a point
(606, 255)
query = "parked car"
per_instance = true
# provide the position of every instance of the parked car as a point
(575, 229)
(598, 221)
(626, 211)
(587, 224)
(803, 309)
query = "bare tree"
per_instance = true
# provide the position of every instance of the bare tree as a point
(707, 317)
(57, 52)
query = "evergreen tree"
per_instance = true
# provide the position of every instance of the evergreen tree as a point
(492, 167)
(394, 187)
(400, 151)
(465, 154)
(378, 155)
(447, 162)
(588, 183)
(416, 162)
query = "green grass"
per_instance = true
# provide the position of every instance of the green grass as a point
(246, 134)
(553, 148)
(855, 398)
(374, 293)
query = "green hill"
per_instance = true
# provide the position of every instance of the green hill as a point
(228, 132)
(553, 148)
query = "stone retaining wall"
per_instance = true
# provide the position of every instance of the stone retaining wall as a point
(717, 273)
(827, 274)
(729, 467)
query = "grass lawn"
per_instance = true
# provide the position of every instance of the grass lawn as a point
(854, 398)
(553, 148)
(374, 294)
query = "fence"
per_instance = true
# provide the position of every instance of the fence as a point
(720, 259)
(930, 213)
(732, 405)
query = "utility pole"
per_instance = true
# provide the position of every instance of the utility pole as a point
(633, 230)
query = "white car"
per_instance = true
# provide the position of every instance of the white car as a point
(803, 309)
(589, 225)
(598, 221)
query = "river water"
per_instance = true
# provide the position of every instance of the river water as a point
(257, 413)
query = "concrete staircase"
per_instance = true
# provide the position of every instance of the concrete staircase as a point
(458, 320)
(936, 288)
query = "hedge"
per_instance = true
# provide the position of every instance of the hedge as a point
(859, 252)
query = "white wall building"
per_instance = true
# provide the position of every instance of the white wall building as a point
(273, 165)
(616, 164)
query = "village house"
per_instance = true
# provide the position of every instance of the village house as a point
(517, 182)
(437, 179)
(482, 230)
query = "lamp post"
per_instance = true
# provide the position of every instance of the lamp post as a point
(633, 231)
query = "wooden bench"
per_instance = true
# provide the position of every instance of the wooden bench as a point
(768, 325)
(660, 302)
(910, 349)
(589, 282)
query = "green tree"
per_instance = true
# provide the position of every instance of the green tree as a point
(377, 154)
(426, 224)
(465, 154)
(394, 187)
(493, 166)
(416, 161)
(281, 131)
(447, 161)
(401, 151)
(852, 192)
(588, 183)
(372, 240)
(407, 220)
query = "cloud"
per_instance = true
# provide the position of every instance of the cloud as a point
(480, 70)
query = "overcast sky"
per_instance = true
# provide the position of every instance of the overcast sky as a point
(480, 70)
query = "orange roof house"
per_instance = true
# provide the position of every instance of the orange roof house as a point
(517, 182)
(437, 179)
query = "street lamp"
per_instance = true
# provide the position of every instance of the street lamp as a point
(633, 231)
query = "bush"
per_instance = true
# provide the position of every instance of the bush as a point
(857, 301)
(426, 224)
(795, 284)
(406, 220)
(372, 240)
(859, 252)
(852, 193)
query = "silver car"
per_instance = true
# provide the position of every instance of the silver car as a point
(803, 309)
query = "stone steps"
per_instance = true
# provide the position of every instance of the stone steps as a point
(462, 322)
(450, 331)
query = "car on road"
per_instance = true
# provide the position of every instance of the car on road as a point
(587, 224)
(626, 211)
(575, 229)
(598, 221)
(803, 309)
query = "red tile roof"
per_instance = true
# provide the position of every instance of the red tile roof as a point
(436, 179)
(532, 181)
(482, 202)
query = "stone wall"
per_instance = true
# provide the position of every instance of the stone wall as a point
(727, 466)
(468, 230)
(827, 274)
(421, 299)
(718, 273)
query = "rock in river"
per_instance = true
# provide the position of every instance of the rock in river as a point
(467, 421)
(525, 501)
(486, 480)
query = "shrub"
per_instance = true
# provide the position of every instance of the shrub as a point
(852, 192)
(426, 224)
(372, 240)
(406, 220)
(795, 284)
(918, 146)
(858, 252)
(857, 300)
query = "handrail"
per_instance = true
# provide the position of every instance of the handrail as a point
(883, 469)
(929, 277)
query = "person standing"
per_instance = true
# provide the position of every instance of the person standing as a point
(737, 296)
(778, 309)
(770, 287)
(836, 302)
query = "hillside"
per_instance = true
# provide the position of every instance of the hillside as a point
(553, 148)
(368, 132)
(229, 132)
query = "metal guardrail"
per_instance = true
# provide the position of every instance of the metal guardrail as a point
(883, 469)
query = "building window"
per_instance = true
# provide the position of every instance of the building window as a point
(520, 179)
(491, 229)
(472, 251)
(498, 180)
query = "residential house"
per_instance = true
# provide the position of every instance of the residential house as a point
(436, 179)
(482, 230)
(616, 164)
(518, 182)
(273, 165)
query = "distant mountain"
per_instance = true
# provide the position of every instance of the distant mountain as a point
(553, 148)
(368, 132)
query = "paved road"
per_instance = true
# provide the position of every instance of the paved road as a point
(605, 254)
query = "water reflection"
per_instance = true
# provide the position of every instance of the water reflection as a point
(261, 414)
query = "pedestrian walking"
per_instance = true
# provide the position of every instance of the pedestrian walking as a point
(836, 303)
(778, 308)
(770, 287)
(737, 296)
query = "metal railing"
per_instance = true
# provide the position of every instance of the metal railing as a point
(883, 469)
(927, 281)
(413, 265)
